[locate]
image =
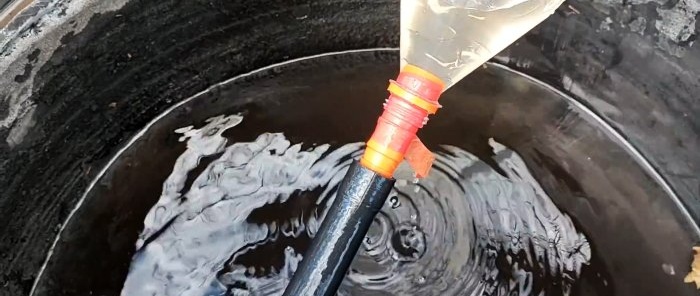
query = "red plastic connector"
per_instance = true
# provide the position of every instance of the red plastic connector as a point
(413, 96)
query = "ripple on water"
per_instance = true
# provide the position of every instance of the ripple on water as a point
(243, 223)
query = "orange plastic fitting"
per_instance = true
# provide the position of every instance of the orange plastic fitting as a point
(412, 97)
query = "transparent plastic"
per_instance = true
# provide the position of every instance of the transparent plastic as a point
(451, 38)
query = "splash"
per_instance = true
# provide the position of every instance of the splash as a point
(241, 225)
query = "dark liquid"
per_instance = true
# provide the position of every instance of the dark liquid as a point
(246, 218)
(233, 213)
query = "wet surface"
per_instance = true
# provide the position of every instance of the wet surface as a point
(506, 142)
(439, 236)
(101, 74)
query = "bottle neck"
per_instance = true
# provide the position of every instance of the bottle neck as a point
(413, 97)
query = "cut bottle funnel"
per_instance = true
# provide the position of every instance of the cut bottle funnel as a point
(441, 42)
(451, 38)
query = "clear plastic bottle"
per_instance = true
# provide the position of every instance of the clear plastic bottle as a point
(451, 38)
(441, 42)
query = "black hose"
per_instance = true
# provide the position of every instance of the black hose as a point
(360, 197)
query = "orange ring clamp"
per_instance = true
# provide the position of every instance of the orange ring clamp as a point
(412, 97)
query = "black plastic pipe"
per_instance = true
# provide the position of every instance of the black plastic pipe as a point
(360, 197)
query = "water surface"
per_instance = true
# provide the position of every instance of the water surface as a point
(240, 225)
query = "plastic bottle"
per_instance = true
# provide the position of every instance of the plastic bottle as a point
(441, 42)
(451, 38)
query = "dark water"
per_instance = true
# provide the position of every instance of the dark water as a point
(223, 195)
(235, 217)
(242, 225)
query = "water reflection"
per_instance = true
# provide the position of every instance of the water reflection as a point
(240, 226)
